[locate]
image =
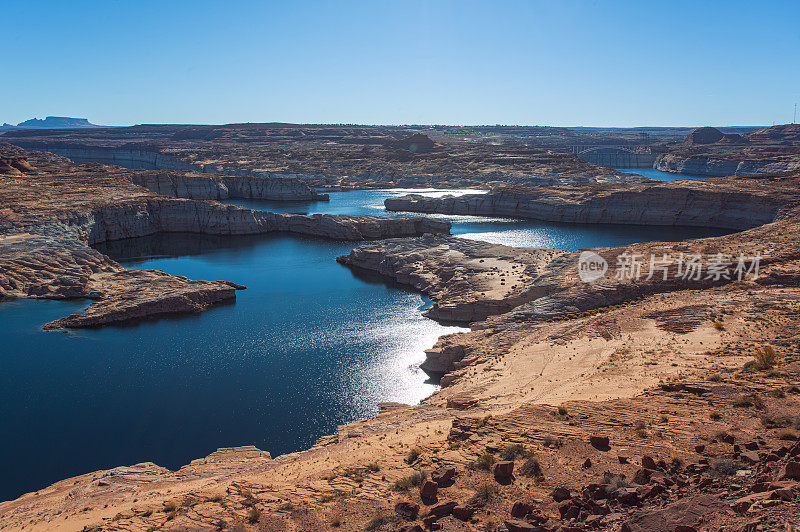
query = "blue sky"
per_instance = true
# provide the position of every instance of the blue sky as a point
(592, 63)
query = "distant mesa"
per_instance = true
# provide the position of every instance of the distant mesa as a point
(51, 122)
(712, 135)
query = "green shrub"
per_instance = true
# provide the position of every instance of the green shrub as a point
(254, 515)
(484, 462)
(531, 468)
(512, 452)
(751, 400)
(484, 494)
(413, 455)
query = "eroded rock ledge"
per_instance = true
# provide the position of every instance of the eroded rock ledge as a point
(50, 215)
(709, 152)
(493, 286)
(621, 451)
(728, 203)
(656, 390)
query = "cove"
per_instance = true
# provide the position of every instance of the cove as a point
(309, 345)
(506, 231)
(658, 175)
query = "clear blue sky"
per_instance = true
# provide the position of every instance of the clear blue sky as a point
(591, 63)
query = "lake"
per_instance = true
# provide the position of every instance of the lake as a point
(309, 345)
(658, 175)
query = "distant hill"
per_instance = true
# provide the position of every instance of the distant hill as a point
(51, 122)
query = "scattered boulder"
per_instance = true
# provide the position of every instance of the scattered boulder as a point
(560, 494)
(626, 495)
(587, 464)
(428, 490)
(411, 528)
(443, 476)
(504, 470)
(643, 476)
(648, 462)
(407, 510)
(782, 494)
(569, 510)
(645, 492)
(430, 522)
(743, 504)
(600, 442)
(521, 509)
(622, 459)
(598, 508)
(791, 471)
(515, 525)
(463, 512)
(443, 509)
(749, 457)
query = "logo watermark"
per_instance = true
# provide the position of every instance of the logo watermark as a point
(684, 266)
(591, 266)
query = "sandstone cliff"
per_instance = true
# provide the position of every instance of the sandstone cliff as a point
(721, 203)
(208, 186)
(709, 152)
(665, 414)
(50, 217)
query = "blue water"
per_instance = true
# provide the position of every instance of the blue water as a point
(505, 231)
(658, 175)
(309, 345)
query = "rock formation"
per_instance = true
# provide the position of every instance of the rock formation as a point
(48, 220)
(342, 157)
(52, 122)
(709, 152)
(621, 404)
(725, 203)
(193, 185)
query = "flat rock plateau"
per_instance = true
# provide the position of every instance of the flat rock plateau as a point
(650, 404)
(336, 157)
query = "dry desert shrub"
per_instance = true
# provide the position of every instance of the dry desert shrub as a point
(765, 357)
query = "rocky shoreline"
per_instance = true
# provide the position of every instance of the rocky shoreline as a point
(709, 152)
(722, 203)
(718, 167)
(53, 212)
(621, 404)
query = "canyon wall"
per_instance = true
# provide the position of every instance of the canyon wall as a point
(127, 157)
(49, 258)
(236, 184)
(618, 158)
(715, 167)
(644, 205)
(114, 222)
(221, 187)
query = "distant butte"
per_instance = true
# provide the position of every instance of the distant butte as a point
(52, 122)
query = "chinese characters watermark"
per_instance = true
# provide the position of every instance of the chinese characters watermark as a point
(684, 266)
